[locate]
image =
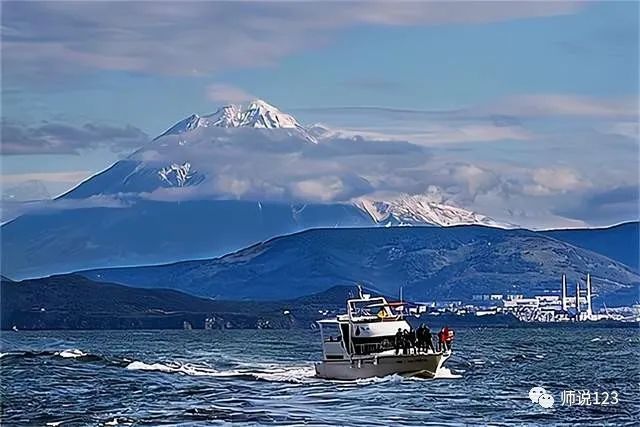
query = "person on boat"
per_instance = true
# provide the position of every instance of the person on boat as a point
(441, 340)
(398, 339)
(428, 340)
(424, 339)
(406, 342)
(420, 337)
(448, 339)
(413, 341)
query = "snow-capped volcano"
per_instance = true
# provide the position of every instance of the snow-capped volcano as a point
(257, 152)
(258, 114)
(420, 210)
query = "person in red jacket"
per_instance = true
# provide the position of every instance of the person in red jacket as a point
(449, 338)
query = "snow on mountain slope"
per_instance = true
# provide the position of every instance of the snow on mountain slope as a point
(258, 114)
(256, 152)
(176, 175)
(215, 183)
(204, 150)
(419, 209)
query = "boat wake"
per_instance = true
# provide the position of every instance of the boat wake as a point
(297, 374)
(446, 373)
(290, 374)
(255, 372)
(441, 373)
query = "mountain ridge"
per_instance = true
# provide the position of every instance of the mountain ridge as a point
(75, 302)
(429, 262)
(257, 114)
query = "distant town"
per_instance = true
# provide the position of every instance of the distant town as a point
(537, 308)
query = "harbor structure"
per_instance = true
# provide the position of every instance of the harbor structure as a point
(553, 308)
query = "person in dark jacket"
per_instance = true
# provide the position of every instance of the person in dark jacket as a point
(441, 340)
(428, 340)
(398, 340)
(420, 337)
(413, 341)
(406, 342)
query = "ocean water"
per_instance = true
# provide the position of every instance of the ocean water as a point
(263, 377)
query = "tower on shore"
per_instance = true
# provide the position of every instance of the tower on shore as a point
(564, 292)
(589, 307)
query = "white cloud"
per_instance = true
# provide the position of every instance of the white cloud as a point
(323, 189)
(557, 179)
(62, 138)
(440, 134)
(629, 130)
(10, 210)
(220, 92)
(198, 38)
(70, 177)
(565, 105)
(501, 166)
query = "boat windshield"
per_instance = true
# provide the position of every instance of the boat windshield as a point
(374, 307)
(330, 331)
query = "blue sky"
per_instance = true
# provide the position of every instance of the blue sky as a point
(509, 87)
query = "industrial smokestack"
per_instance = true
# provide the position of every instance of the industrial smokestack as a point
(564, 292)
(589, 308)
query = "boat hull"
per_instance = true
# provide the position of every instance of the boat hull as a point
(423, 365)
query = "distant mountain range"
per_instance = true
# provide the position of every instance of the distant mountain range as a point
(178, 198)
(428, 262)
(75, 302)
(150, 232)
(310, 273)
(620, 242)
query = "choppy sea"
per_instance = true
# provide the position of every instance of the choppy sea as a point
(258, 377)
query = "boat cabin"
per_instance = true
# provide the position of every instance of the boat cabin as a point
(368, 327)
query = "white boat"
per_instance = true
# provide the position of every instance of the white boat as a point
(361, 344)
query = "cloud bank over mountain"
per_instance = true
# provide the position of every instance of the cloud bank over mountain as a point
(258, 152)
(62, 138)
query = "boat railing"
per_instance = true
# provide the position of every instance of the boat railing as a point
(374, 319)
(368, 348)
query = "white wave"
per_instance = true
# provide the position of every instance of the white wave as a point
(54, 423)
(71, 353)
(282, 374)
(294, 374)
(173, 368)
(442, 373)
(141, 366)
(539, 356)
(596, 339)
(394, 378)
(3, 355)
(445, 373)
(118, 421)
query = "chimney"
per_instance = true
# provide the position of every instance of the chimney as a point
(589, 308)
(564, 292)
